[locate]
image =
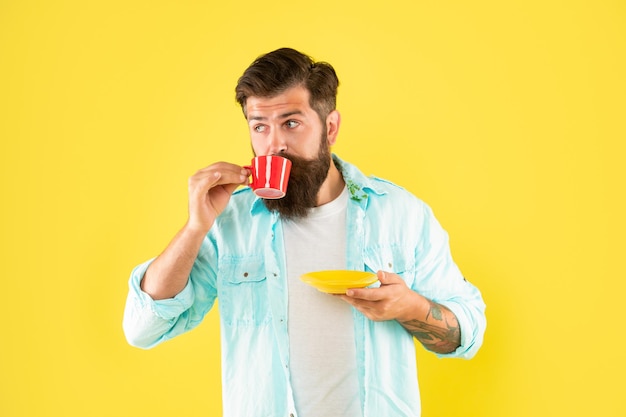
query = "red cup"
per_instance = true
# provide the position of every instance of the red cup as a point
(270, 175)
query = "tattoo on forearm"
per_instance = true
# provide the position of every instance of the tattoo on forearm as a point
(439, 331)
(435, 311)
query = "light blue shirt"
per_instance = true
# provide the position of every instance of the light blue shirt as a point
(242, 262)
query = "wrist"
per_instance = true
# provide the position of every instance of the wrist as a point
(194, 231)
(197, 227)
(413, 307)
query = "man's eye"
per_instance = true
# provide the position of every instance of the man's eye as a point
(259, 128)
(292, 124)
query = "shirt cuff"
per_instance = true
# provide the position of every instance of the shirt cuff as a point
(469, 343)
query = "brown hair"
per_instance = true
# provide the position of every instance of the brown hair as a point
(277, 71)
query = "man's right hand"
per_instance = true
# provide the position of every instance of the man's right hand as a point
(209, 192)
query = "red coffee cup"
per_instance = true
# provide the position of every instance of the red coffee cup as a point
(270, 175)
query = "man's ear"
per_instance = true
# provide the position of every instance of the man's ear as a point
(333, 121)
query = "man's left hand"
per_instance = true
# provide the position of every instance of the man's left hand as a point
(393, 300)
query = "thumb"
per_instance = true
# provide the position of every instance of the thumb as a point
(387, 278)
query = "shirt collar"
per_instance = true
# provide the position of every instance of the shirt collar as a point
(359, 186)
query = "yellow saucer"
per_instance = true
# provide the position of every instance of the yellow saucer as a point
(337, 282)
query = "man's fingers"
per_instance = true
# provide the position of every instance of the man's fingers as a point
(368, 294)
(219, 174)
(373, 309)
(388, 278)
(210, 190)
(226, 178)
(382, 303)
(375, 294)
(232, 175)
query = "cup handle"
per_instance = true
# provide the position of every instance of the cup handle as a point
(249, 168)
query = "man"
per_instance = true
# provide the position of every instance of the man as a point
(288, 349)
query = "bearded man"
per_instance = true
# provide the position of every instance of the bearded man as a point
(288, 349)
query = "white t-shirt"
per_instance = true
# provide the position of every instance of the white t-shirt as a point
(321, 331)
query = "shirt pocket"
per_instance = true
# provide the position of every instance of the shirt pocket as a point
(243, 294)
(391, 258)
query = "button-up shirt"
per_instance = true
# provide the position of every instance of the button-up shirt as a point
(242, 262)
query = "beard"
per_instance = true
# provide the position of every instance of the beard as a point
(305, 181)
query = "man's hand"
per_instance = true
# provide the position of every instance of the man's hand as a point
(393, 300)
(209, 192)
(434, 325)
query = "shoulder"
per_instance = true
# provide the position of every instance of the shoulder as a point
(396, 208)
(388, 192)
(363, 186)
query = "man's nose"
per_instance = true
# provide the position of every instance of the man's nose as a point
(277, 143)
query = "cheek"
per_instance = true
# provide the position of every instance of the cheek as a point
(258, 147)
(307, 147)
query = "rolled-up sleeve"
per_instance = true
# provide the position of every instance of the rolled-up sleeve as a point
(148, 322)
(472, 322)
(440, 280)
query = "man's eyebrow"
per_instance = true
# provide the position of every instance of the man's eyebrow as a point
(291, 113)
(281, 116)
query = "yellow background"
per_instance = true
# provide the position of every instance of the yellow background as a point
(507, 117)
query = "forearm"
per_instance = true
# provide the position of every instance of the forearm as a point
(435, 326)
(168, 274)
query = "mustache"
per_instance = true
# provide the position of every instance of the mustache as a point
(292, 158)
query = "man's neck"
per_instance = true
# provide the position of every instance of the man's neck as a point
(332, 187)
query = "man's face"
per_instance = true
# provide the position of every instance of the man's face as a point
(286, 125)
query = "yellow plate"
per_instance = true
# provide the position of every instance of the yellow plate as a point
(337, 282)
